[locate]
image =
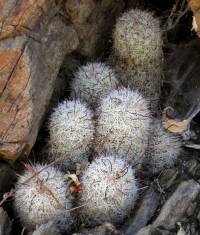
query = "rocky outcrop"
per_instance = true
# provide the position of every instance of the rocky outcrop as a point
(34, 41)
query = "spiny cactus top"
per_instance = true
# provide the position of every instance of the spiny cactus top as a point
(137, 38)
(109, 190)
(42, 197)
(93, 81)
(123, 125)
(71, 131)
(163, 148)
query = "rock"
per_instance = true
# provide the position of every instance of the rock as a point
(104, 229)
(46, 229)
(170, 178)
(145, 212)
(5, 223)
(30, 56)
(175, 208)
(21, 18)
(192, 168)
(150, 230)
(7, 178)
(94, 22)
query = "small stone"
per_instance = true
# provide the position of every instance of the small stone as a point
(150, 230)
(5, 223)
(145, 212)
(104, 229)
(177, 205)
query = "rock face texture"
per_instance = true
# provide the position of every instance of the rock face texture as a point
(33, 43)
(93, 21)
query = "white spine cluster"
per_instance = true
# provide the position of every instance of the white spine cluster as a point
(92, 82)
(42, 198)
(163, 148)
(123, 125)
(109, 191)
(71, 132)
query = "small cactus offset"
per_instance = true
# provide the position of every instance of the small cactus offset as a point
(137, 53)
(40, 197)
(92, 82)
(163, 148)
(123, 125)
(109, 191)
(71, 132)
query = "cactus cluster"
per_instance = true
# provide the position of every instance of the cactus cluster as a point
(109, 191)
(108, 126)
(123, 124)
(41, 198)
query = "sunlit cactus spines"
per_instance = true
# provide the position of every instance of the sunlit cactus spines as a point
(123, 125)
(93, 81)
(109, 191)
(40, 198)
(71, 131)
(163, 148)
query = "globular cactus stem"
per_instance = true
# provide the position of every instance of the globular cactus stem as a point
(40, 197)
(92, 82)
(109, 191)
(123, 125)
(71, 131)
(163, 148)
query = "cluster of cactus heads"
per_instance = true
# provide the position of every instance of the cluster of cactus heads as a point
(71, 132)
(123, 125)
(109, 127)
(109, 191)
(92, 82)
(41, 198)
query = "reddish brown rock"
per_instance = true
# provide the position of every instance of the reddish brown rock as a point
(29, 65)
(18, 17)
